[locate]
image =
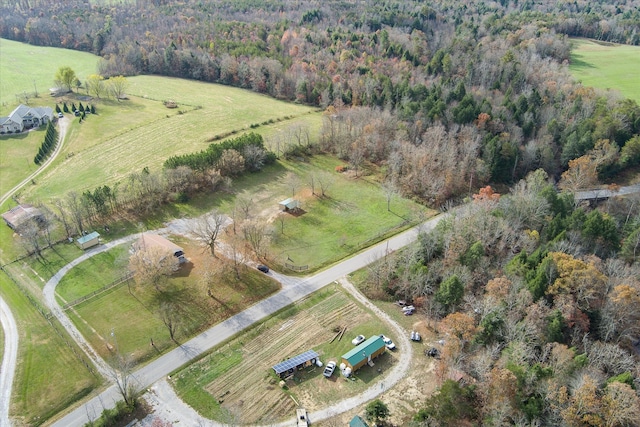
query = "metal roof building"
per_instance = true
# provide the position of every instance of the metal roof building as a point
(363, 353)
(290, 365)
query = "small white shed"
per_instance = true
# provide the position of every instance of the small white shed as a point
(88, 241)
(289, 204)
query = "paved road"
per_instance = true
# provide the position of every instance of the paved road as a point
(7, 320)
(292, 290)
(8, 362)
(605, 193)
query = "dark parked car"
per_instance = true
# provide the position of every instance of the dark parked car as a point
(263, 268)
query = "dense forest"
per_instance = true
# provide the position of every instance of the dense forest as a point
(536, 294)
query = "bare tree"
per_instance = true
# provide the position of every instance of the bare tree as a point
(325, 180)
(121, 374)
(74, 205)
(356, 156)
(63, 215)
(293, 182)
(29, 233)
(390, 190)
(207, 228)
(152, 265)
(171, 319)
(255, 233)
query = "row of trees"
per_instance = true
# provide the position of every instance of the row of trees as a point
(48, 145)
(95, 84)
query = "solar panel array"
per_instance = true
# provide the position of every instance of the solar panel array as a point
(295, 361)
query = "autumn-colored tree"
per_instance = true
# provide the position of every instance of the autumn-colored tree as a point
(459, 325)
(578, 278)
(486, 194)
(231, 163)
(621, 405)
(584, 407)
(582, 173)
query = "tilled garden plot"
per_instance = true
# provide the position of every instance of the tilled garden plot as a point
(250, 391)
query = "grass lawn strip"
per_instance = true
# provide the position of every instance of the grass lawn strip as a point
(49, 376)
(606, 66)
(246, 391)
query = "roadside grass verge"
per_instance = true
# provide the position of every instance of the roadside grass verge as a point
(49, 377)
(235, 384)
(25, 65)
(133, 312)
(606, 66)
(16, 157)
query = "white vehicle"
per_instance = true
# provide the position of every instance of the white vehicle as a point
(388, 343)
(358, 340)
(328, 370)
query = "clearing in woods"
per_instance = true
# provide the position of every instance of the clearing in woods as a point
(236, 384)
(606, 66)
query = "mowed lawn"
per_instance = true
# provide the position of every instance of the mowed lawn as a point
(128, 316)
(24, 66)
(16, 157)
(607, 66)
(125, 137)
(352, 215)
(49, 376)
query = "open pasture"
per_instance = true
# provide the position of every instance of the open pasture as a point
(127, 136)
(25, 68)
(607, 66)
(235, 383)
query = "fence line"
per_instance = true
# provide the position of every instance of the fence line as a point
(105, 288)
(296, 267)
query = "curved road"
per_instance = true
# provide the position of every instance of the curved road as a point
(7, 320)
(292, 290)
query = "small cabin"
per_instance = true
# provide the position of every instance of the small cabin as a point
(88, 240)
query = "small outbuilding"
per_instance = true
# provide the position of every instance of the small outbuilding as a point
(357, 421)
(363, 353)
(20, 214)
(289, 366)
(289, 205)
(153, 240)
(88, 240)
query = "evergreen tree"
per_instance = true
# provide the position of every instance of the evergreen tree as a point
(65, 108)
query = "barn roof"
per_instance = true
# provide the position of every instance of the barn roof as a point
(20, 214)
(364, 350)
(295, 361)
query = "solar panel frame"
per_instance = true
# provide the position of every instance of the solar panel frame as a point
(295, 361)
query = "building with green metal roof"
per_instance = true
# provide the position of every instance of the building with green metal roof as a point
(357, 421)
(363, 353)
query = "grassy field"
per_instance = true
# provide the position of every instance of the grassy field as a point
(49, 376)
(132, 311)
(16, 157)
(353, 214)
(24, 66)
(235, 383)
(607, 66)
(125, 137)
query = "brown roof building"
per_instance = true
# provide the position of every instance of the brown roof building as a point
(21, 214)
(153, 240)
